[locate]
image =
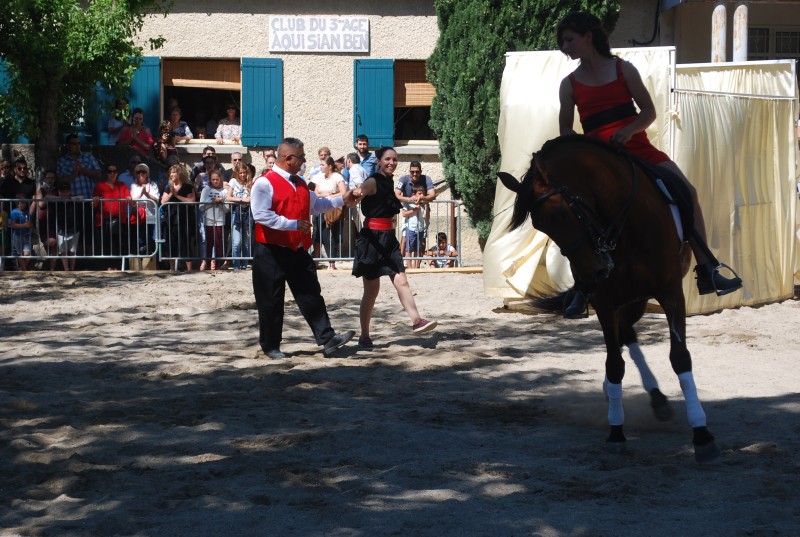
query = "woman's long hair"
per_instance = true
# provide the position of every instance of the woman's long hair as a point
(581, 22)
(239, 167)
(180, 169)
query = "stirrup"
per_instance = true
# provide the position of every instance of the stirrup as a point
(709, 280)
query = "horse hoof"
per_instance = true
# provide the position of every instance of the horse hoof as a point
(706, 452)
(662, 410)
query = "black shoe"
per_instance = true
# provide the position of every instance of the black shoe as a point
(337, 342)
(275, 354)
(709, 280)
(578, 308)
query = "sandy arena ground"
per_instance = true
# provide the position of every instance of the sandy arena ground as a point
(139, 404)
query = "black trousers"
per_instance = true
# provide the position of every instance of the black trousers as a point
(274, 267)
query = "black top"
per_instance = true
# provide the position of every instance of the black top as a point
(11, 188)
(384, 202)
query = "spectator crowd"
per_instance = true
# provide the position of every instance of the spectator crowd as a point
(93, 215)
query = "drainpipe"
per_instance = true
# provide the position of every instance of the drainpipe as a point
(718, 34)
(740, 34)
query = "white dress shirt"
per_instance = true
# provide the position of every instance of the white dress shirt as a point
(261, 203)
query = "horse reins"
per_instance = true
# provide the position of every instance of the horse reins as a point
(603, 240)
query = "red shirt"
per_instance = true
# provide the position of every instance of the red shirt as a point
(110, 209)
(593, 99)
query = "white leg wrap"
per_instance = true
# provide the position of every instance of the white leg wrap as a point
(648, 379)
(616, 416)
(694, 410)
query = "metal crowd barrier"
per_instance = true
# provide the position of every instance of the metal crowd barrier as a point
(65, 229)
(175, 234)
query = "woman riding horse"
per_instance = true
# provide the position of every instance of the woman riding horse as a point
(604, 89)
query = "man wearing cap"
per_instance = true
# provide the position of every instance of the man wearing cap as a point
(282, 206)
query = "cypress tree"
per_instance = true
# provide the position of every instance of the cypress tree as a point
(466, 68)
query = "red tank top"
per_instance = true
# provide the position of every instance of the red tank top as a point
(292, 203)
(592, 100)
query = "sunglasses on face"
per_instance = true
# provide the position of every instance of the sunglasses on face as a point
(141, 173)
(111, 170)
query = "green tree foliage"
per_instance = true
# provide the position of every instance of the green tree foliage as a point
(55, 52)
(466, 69)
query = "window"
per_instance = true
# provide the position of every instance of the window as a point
(203, 89)
(773, 43)
(413, 96)
(758, 44)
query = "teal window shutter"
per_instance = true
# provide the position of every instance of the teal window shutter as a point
(146, 91)
(373, 103)
(262, 101)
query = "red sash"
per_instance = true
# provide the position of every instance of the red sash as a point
(379, 224)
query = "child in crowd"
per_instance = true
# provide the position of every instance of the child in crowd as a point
(415, 225)
(21, 226)
(444, 252)
(67, 234)
(212, 202)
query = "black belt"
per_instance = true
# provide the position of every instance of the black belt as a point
(605, 117)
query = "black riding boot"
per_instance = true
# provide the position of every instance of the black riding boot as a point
(709, 280)
(578, 308)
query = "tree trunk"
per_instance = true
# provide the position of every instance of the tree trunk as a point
(48, 142)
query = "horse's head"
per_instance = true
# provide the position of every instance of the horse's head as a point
(561, 215)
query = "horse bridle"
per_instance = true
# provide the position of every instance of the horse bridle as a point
(602, 239)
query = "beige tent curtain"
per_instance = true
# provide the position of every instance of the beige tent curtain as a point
(735, 139)
(730, 129)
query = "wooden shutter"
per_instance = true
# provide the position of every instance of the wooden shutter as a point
(146, 91)
(373, 103)
(262, 101)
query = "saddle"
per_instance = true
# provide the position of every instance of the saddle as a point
(674, 191)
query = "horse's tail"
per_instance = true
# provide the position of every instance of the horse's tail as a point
(551, 303)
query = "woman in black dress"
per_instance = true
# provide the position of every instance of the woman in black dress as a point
(377, 249)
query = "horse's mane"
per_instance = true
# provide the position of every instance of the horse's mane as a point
(525, 196)
(551, 145)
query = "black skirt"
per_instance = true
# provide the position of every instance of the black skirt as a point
(377, 254)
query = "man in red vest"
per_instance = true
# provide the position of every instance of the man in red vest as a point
(282, 206)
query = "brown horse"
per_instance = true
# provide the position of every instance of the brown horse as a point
(610, 219)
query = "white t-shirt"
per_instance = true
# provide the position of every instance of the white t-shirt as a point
(136, 195)
(445, 255)
(327, 185)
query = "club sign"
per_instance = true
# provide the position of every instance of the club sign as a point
(324, 33)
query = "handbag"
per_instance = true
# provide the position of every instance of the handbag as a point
(333, 216)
